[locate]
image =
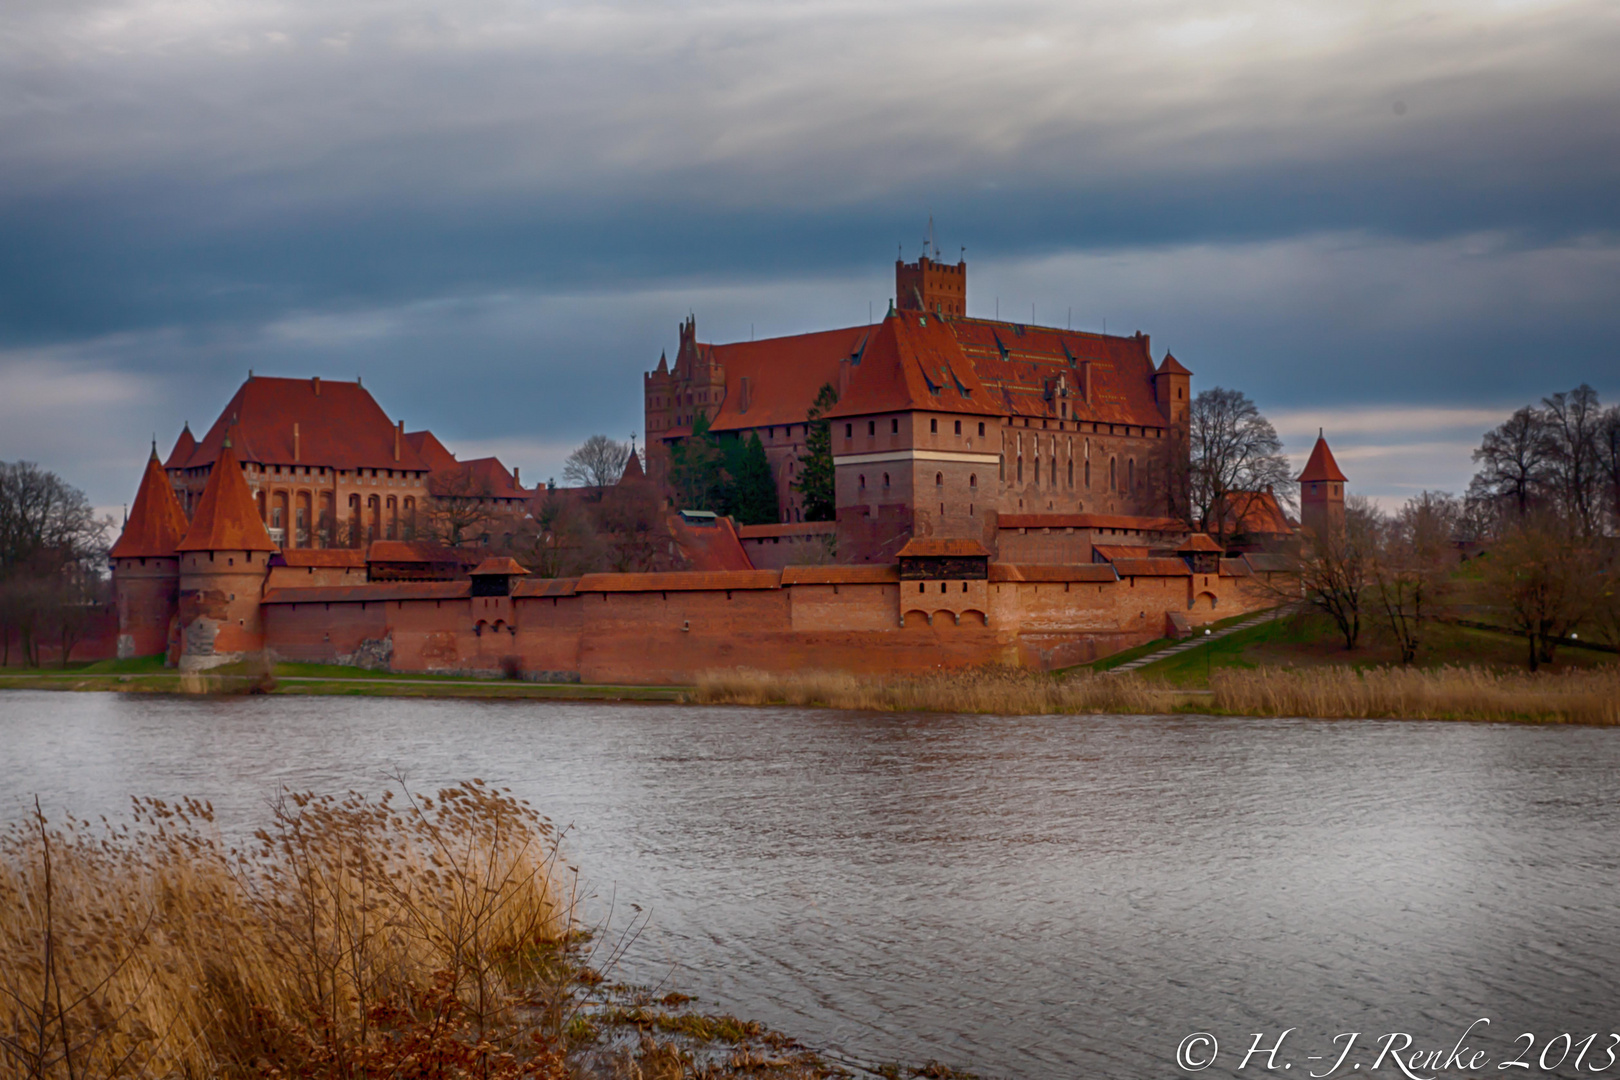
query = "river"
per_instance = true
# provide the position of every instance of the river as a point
(1043, 897)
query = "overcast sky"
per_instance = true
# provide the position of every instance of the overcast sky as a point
(1395, 220)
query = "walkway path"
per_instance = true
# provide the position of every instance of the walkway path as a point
(1199, 640)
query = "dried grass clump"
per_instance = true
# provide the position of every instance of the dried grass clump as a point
(353, 937)
(1449, 693)
(994, 690)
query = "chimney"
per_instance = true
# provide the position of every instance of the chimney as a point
(516, 481)
(399, 430)
(295, 443)
(317, 381)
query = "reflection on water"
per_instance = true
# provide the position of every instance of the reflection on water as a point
(1033, 897)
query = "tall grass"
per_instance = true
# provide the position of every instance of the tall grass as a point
(1449, 693)
(1005, 691)
(352, 937)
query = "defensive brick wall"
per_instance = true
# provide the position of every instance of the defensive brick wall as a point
(665, 628)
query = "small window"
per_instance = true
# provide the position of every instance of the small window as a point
(959, 427)
(885, 480)
(973, 480)
(894, 427)
(939, 479)
(871, 427)
(981, 429)
(933, 427)
(862, 481)
(849, 431)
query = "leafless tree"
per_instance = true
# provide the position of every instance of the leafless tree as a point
(1411, 566)
(1235, 453)
(1608, 463)
(597, 463)
(1573, 421)
(1542, 578)
(1336, 570)
(52, 553)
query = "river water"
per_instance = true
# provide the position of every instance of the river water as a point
(1029, 897)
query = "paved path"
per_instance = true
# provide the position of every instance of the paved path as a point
(1199, 640)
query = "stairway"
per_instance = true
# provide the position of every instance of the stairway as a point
(1199, 640)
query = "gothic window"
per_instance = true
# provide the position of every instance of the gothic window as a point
(374, 513)
(1037, 466)
(885, 481)
(973, 480)
(939, 480)
(862, 481)
(1088, 474)
(393, 518)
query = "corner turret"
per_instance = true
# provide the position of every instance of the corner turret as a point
(146, 566)
(224, 561)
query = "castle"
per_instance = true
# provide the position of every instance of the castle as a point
(946, 426)
(1005, 494)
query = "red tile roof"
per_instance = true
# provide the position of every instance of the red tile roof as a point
(914, 361)
(545, 587)
(681, 581)
(1090, 572)
(418, 551)
(431, 449)
(156, 522)
(709, 547)
(480, 478)
(1115, 552)
(499, 566)
(1200, 542)
(1172, 366)
(1151, 568)
(917, 548)
(840, 575)
(1251, 513)
(1091, 521)
(784, 375)
(226, 518)
(324, 557)
(184, 447)
(1321, 465)
(340, 426)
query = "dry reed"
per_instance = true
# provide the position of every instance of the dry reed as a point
(352, 937)
(996, 690)
(1449, 693)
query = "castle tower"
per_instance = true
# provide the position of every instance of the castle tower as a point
(146, 567)
(224, 561)
(1321, 492)
(933, 287)
(1172, 388)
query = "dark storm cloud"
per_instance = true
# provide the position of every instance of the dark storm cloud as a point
(1360, 202)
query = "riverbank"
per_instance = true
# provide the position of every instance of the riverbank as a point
(404, 935)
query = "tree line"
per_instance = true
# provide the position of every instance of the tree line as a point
(1541, 514)
(53, 556)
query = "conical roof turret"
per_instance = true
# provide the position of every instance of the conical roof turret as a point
(184, 447)
(1321, 465)
(226, 518)
(156, 522)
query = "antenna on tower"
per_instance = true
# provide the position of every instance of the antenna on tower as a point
(928, 241)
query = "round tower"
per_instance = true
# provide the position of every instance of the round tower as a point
(146, 567)
(224, 562)
(1321, 492)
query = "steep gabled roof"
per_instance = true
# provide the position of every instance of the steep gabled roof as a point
(1020, 365)
(1251, 513)
(1172, 366)
(784, 375)
(184, 447)
(915, 362)
(226, 517)
(1321, 466)
(431, 449)
(920, 548)
(156, 522)
(340, 426)
(480, 478)
(712, 546)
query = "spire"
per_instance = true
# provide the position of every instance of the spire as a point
(184, 447)
(155, 524)
(1321, 465)
(226, 518)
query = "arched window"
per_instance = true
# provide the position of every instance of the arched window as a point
(885, 481)
(973, 480)
(301, 519)
(1071, 472)
(939, 479)
(862, 481)
(374, 517)
(1113, 475)
(1088, 474)
(1037, 466)
(355, 527)
(392, 525)
(410, 517)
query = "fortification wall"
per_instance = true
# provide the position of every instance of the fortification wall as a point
(666, 628)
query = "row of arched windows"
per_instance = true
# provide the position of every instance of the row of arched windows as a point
(292, 522)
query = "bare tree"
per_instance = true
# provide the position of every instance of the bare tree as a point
(52, 553)
(597, 463)
(1336, 570)
(1411, 566)
(1515, 462)
(1573, 421)
(1608, 463)
(1541, 579)
(1235, 454)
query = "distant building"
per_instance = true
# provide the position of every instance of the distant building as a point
(1321, 492)
(944, 423)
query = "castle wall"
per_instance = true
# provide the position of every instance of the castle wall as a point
(148, 593)
(220, 613)
(667, 628)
